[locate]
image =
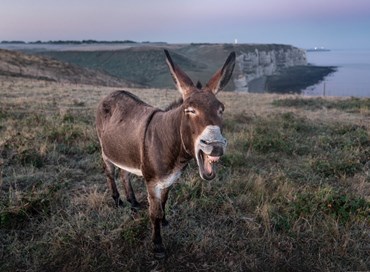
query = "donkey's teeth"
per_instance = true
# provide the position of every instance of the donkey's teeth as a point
(213, 159)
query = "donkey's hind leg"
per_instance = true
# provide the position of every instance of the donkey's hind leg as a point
(164, 196)
(130, 194)
(109, 171)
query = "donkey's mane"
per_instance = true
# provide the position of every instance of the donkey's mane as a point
(174, 104)
(179, 101)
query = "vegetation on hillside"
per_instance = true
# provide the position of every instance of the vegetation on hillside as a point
(146, 64)
(127, 63)
(351, 105)
(69, 42)
(16, 64)
(292, 192)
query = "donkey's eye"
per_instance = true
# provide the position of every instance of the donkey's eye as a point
(190, 110)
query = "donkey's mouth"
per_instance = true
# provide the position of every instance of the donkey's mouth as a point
(206, 165)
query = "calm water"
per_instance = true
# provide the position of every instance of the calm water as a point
(352, 77)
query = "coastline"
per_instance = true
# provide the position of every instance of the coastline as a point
(352, 75)
(297, 78)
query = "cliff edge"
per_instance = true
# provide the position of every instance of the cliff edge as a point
(255, 63)
(145, 64)
(259, 67)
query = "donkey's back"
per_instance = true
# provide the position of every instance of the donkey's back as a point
(120, 112)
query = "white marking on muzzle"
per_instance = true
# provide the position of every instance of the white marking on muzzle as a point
(211, 134)
(209, 138)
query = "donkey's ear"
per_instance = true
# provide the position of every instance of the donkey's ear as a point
(182, 81)
(222, 76)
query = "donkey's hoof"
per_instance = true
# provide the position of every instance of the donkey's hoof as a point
(159, 252)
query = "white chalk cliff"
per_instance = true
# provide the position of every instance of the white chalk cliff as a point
(254, 64)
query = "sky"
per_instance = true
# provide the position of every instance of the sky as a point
(335, 24)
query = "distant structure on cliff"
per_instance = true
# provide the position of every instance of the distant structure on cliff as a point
(318, 49)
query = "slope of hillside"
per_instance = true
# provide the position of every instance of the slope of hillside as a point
(146, 65)
(259, 67)
(16, 64)
(143, 65)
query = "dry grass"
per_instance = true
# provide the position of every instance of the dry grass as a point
(291, 194)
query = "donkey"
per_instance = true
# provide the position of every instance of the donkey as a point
(158, 144)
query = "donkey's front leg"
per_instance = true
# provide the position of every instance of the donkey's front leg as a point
(156, 215)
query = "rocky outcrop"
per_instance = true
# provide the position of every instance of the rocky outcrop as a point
(255, 63)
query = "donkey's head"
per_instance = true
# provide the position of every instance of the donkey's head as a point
(201, 125)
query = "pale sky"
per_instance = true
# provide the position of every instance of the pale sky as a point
(333, 24)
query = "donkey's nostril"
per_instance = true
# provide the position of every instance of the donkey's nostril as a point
(217, 151)
(204, 142)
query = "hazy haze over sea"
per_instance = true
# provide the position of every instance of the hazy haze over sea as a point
(352, 77)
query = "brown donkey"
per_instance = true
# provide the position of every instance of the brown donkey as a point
(146, 141)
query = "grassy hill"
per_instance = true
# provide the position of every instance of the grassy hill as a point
(292, 192)
(146, 64)
(17, 64)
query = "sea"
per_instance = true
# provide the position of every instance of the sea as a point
(352, 77)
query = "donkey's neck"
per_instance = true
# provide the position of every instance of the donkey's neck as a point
(163, 144)
(167, 126)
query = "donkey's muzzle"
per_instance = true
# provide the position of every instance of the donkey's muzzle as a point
(208, 154)
(217, 150)
(214, 147)
(210, 146)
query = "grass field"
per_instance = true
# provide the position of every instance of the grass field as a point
(292, 192)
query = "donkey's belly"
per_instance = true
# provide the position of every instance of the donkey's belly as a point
(134, 171)
(123, 148)
(122, 119)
